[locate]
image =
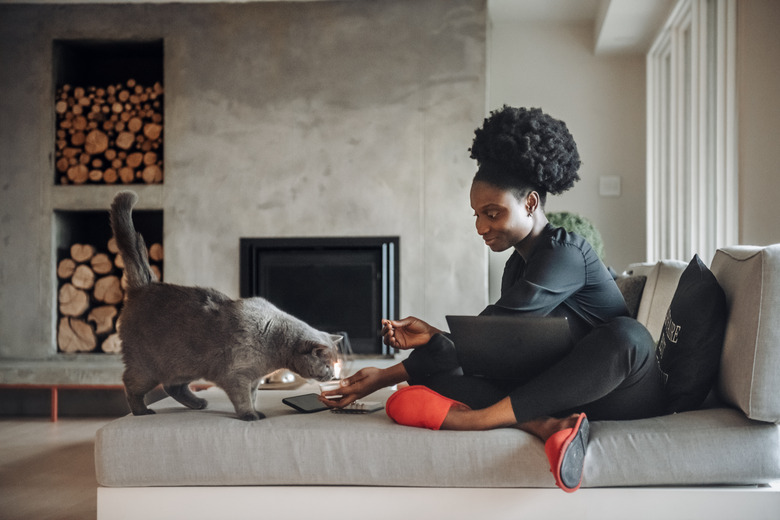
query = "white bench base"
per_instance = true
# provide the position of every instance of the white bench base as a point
(392, 503)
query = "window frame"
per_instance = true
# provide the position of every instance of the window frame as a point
(692, 185)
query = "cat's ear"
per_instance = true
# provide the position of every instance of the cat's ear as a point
(336, 339)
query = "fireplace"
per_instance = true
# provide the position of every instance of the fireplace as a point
(334, 284)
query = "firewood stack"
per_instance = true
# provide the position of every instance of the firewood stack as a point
(91, 294)
(110, 135)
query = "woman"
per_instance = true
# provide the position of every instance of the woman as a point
(523, 155)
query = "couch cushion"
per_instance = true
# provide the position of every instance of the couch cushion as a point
(631, 288)
(691, 341)
(181, 447)
(701, 447)
(750, 364)
(662, 278)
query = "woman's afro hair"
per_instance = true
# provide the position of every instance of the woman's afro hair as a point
(535, 148)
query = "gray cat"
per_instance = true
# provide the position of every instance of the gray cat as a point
(175, 335)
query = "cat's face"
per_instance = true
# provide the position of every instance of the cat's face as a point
(317, 360)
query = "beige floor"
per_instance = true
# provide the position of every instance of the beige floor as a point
(47, 469)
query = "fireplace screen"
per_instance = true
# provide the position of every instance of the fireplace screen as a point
(334, 284)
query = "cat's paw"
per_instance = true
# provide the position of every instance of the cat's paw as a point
(199, 404)
(144, 412)
(252, 416)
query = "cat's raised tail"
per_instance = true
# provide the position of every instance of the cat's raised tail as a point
(130, 243)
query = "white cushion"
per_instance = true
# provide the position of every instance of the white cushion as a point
(662, 278)
(750, 365)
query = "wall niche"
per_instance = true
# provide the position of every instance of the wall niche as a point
(89, 270)
(109, 105)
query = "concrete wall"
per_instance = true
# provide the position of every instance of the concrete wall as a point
(602, 101)
(281, 119)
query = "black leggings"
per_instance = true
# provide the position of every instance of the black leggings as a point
(611, 373)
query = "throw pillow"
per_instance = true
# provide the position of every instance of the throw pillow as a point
(631, 287)
(691, 342)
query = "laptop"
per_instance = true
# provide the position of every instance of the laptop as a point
(509, 347)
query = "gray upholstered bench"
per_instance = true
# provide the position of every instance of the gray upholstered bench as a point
(718, 462)
(181, 447)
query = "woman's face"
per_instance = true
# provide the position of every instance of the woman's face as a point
(502, 220)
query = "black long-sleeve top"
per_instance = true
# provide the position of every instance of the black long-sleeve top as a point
(562, 276)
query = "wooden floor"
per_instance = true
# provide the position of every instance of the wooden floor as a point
(47, 469)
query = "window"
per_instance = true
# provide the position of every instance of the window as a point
(691, 154)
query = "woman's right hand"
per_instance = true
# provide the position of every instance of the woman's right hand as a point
(407, 333)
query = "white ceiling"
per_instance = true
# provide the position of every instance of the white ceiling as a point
(619, 26)
(543, 10)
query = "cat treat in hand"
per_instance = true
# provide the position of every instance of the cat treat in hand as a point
(331, 385)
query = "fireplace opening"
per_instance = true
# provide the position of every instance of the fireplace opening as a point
(334, 284)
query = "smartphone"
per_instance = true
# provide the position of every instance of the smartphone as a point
(306, 403)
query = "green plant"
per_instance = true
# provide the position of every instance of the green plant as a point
(580, 225)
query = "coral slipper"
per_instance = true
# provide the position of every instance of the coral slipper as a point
(419, 406)
(566, 452)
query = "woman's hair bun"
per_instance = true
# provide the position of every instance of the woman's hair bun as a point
(535, 149)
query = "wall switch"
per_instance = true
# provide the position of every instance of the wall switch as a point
(609, 186)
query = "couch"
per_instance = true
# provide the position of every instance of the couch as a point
(720, 461)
